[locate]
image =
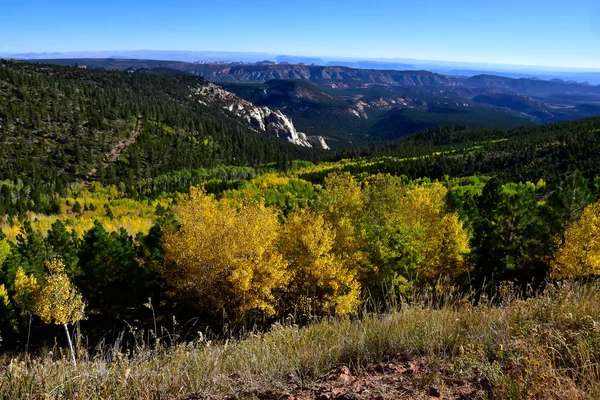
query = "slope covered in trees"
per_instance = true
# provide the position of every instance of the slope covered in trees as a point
(277, 245)
(518, 154)
(63, 124)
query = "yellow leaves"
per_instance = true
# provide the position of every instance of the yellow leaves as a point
(169, 130)
(59, 302)
(4, 250)
(226, 256)
(426, 199)
(134, 216)
(540, 184)
(342, 197)
(410, 232)
(26, 290)
(267, 180)
(579, 254)
(446, 245)
(113, 191)
(342, 205)
(320, 276)
(4, 299)
(11, 231)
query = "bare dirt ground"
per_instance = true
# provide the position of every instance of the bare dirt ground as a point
(397, 379)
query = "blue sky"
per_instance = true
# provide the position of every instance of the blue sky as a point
(527, 32)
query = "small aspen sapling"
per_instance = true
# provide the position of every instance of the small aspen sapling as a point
(27, 291)
(59, 302)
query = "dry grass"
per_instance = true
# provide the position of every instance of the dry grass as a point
(543, 347)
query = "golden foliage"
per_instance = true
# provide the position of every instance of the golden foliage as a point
(410, 232)
(439, 240)
(579, 254)
(4, 250)
(26, 290)
(342, 197)
(225, 256)
(132, 215)
(342, 205)
(4, 299)
(59, 302)
(321, 280)
(443, 255)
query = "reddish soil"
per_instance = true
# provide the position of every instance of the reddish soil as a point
(398, 379)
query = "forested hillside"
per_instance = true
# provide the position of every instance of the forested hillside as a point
(62, 124)
(518, 154)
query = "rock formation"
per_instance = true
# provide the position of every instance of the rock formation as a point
(263, 119)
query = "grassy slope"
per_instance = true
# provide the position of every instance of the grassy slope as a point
(544, 347)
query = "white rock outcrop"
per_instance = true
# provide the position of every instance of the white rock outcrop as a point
(262, 119)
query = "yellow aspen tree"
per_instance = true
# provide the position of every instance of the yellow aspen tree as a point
(412, 237)
(4, 248)
(224, 256)
(439, 237)
(321, 280)
(579, 254)
(341, 204)
(4, 299)
(26, 294)
(444, 255)
(342, 196)
(59, 302)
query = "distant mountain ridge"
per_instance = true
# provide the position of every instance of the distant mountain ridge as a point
(530, 87)
(338, 77)
(331, 76)
(591, 75)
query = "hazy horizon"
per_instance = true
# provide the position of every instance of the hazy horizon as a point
(247, 56)
(531, 34)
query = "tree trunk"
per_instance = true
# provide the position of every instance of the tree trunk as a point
(70, 344)
(28, 333)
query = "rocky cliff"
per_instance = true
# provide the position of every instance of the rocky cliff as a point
(263, 119)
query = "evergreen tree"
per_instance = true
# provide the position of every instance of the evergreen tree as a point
(29, 252)
(511, 239)
(60, 244)
(110, 275)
